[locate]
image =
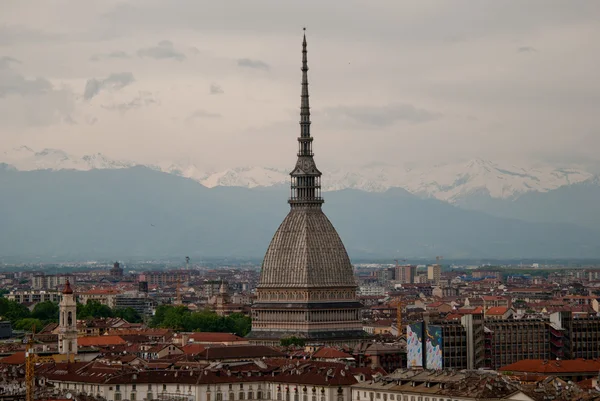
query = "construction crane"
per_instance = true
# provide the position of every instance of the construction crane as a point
(30, 359)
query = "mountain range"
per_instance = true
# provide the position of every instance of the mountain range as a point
(452, 183)
(139, 212)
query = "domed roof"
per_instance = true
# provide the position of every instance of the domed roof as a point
(305, 252)
(67, 289)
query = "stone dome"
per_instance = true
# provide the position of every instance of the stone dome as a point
(306, 252)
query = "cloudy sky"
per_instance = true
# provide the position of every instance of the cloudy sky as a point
(218, 82)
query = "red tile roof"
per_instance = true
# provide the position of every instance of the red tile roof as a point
(214, 337)
(497, 311)
(99, 341)
(327, 352)
(551, 366)
(18, 358)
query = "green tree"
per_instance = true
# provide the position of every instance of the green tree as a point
(286, 342)
(28, 323)
(93, 309)
(181, 318)
(46, 311)
(13, 311)
(129, 314)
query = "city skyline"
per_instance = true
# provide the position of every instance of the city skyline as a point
(157, 81)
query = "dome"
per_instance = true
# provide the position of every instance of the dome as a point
(306, 252)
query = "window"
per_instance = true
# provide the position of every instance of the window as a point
(132, 396)
(296, 397)
(149, 386)
(177, 388)
(230, 386)
(278, 396)
(392, 396)
(207, 396)
(231, 397)
(118, 387)
(133, 387)
(149, 396)
(219, 397)
(259, 395)
(164, 387)
(117, 396)
(241, 395)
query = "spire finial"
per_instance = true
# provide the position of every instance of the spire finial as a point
(306, 178)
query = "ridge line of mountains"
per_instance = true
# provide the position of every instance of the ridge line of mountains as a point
(139, 212)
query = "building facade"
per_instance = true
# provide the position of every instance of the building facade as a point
(307, 287)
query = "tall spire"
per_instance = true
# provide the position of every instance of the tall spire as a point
(304, 107)
(305, 178)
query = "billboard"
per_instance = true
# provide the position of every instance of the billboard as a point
(433, 347)
(414, 345)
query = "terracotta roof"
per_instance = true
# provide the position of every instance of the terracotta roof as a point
(497, 311)
(18, 358)
(550, 366)
(239, 351)
(193, 349)
(214, 337)
(327, 352)
(99, 341)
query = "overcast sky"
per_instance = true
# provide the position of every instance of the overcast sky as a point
(218, 82)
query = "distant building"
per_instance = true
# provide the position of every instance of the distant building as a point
(117, 271)
(434, 273)
(165, 278)
(34, 296)
(406, 274)
(50, 282)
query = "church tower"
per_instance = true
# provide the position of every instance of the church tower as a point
(307, 288)
(67, 329)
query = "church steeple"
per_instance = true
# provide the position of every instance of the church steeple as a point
(305, 178)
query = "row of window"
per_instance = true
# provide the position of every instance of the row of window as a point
(398, 397)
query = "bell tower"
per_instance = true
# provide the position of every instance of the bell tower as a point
(67, 332)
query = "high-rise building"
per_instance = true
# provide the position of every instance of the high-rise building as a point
(406, 274)
(307, 287)
(434, 273)
(67, 325)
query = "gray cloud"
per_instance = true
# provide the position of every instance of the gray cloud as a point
(31, 102)
(257, 64)
(380, 116)
(13, 83)
(114, 81)
(112, 55)
(164, 50)
(526, 49)
(6, 61)
(216, 89)
(143, 99)
(203, 114)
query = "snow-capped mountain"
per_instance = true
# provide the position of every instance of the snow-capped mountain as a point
(447, 182)
(26, 159)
